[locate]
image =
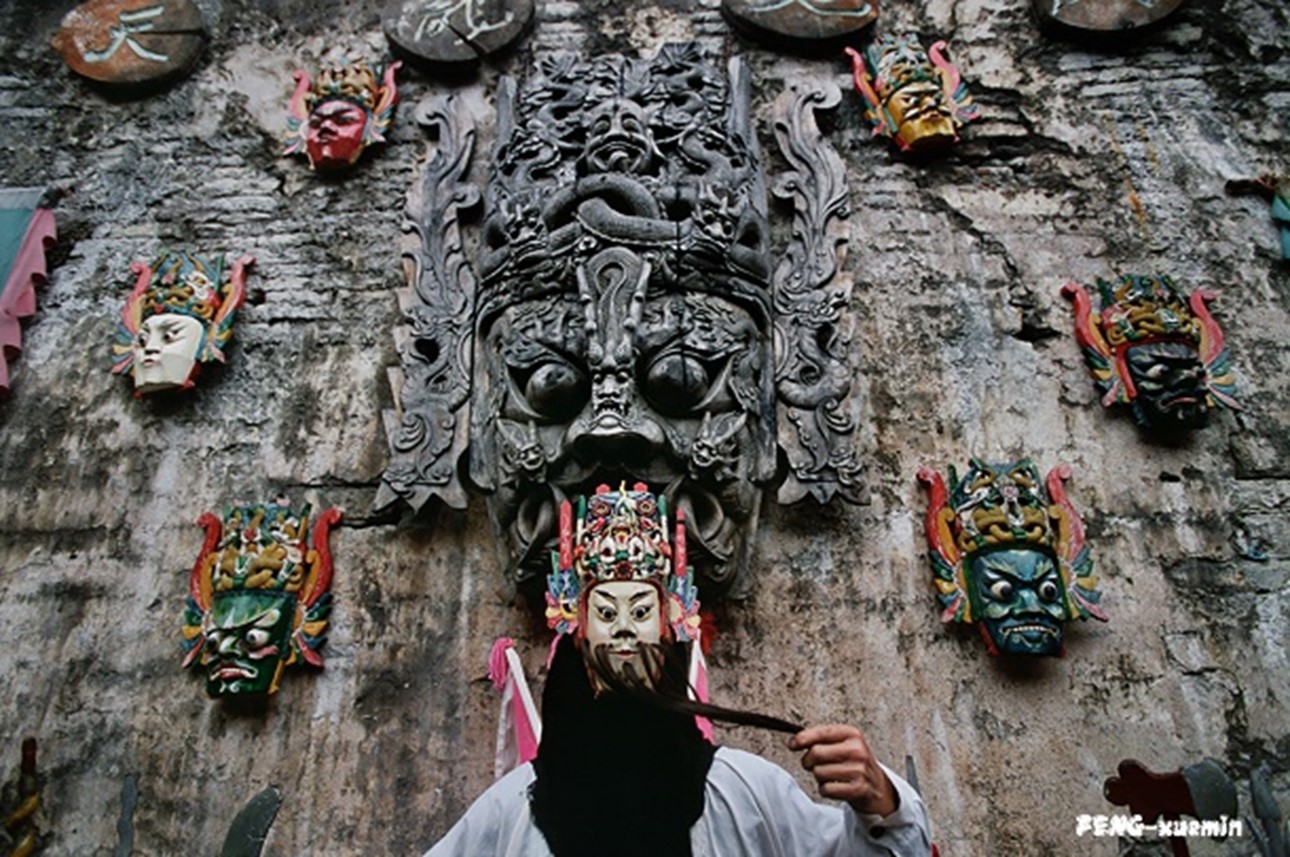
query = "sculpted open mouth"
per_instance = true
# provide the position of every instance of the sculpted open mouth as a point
(1031, 630)
(233, 672)
(618, 152)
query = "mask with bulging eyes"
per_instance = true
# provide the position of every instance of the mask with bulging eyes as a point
(248, 643)
(1020, 600)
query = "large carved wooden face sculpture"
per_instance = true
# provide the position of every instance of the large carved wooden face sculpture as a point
(625, 329)
(619, 325)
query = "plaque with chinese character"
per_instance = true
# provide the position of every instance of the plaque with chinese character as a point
(131, 42)
(455, 31)
(1104, 16)
(801, 23)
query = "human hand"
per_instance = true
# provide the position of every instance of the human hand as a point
(844, 768)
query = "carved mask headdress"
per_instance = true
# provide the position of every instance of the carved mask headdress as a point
(1150, 348)
(1009, 556)
(915, 97)
(179, 316)
(259, 596)
(621, 537)
(334, 118)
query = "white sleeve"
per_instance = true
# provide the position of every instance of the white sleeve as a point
(754, 807)
(497, 823)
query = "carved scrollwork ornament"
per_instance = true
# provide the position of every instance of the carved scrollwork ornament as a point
(818, 415)
(428, 431)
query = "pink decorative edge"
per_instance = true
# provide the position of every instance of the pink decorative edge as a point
(18, 299)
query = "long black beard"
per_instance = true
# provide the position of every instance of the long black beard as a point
(615, 778)
(662, 683)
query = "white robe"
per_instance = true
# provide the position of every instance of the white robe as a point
(751, 808)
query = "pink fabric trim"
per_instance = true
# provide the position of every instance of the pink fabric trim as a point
(519, 727)
(18, 299)
(699, 686)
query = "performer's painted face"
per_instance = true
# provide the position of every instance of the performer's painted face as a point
(335, 136)
(165, 351)
(621, 615)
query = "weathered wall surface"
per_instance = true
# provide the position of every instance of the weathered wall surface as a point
(1086, 164)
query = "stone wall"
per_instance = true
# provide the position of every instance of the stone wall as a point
(1085, 164)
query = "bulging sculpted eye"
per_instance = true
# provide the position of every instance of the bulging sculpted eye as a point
(1001, 589)
(257, 638)
(677, 383)
(1048, 591)
(556, 390)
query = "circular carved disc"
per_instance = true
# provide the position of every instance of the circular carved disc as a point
(1105, 15)
(131, 41)
(455, 30)
(802, 21)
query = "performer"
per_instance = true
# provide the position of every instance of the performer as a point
(622, 768)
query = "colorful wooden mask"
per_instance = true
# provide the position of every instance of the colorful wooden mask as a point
(621, 536)
(179, 316)
(1104, 16)
(1009, 555)
(131, 42)
(800, 23)
(258, 596)
(334, 118)
(915, 97)
(1149, 348)
(26, 232)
